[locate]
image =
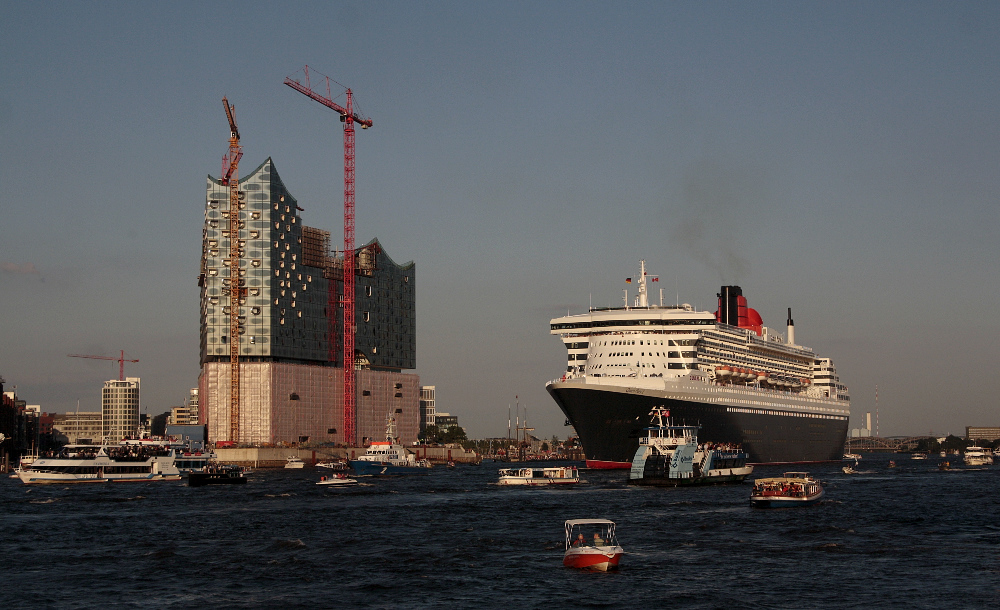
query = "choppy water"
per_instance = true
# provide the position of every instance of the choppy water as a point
(912, 537)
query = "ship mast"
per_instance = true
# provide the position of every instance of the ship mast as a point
(643, 301)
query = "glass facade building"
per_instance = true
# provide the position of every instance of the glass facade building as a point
(288, 355)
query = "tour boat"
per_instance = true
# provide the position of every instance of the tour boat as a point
(103, 464)
(591, 545)
(671, 455)
(560, 475)
(213, 474)
(977, 456)
(294, 461)
(791, 489)
(337, 479)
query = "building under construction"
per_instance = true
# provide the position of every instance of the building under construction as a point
(291, 324)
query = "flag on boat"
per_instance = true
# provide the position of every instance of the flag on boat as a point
(628, 280)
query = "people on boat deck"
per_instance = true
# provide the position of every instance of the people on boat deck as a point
(579, 540)
(598, 541)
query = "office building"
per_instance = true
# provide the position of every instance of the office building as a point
(120, 408)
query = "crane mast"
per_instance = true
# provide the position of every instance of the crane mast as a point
(236, 290)
(349, 118)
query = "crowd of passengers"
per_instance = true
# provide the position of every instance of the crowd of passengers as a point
(120, 452)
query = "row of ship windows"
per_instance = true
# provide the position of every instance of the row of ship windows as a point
(670, 365)
(784, 413)
(642, 354)
(606, 323)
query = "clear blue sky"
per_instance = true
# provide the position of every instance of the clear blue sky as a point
(837, 158)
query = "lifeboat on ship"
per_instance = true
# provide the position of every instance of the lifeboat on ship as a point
(723, 371)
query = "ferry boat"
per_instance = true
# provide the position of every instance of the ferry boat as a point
(591, 545)
(792, 489)
(562, 475)
(671, 455)
(103, 464)
(744, 383)
(217, 474)
(388, 457)
(977, 456)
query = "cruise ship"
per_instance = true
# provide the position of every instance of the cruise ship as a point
(742, 382)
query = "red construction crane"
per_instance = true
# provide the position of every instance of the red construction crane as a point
(121, 361)
(348, 117)
(231, 178)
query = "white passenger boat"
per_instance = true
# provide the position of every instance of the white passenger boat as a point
(294, 461)
(977, 456)
(670, 455)
(103, 464)
(792, 489)
(560, 475)
(591, 545)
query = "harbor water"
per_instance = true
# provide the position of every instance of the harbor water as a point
(905, 537)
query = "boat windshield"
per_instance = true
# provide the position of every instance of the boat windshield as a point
(590, 533)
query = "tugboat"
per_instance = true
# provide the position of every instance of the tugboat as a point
(599, 552)
(388, 457)
(671, 455)
(792, 489)
(214, 474)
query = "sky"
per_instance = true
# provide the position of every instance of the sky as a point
(836, 158)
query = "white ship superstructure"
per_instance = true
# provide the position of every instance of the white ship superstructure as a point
(717, 367)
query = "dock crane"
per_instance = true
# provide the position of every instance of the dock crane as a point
(348, 117)
(121, 361)
(237, 291)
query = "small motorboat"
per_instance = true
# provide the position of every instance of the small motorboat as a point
(852, 456)
(591, 545)
(334, 464)
(944, 466)
(791, 489)
(892, 463)
(337, 479)
(294, 461)
(849, 470)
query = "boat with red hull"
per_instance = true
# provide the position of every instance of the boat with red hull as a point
(591, 545)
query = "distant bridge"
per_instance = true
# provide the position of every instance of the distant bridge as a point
(875, 444)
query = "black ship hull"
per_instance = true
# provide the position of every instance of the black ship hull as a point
(610, 422)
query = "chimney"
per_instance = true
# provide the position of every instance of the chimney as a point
(791, 328)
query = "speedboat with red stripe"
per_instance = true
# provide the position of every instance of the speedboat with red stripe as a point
(591, 545)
